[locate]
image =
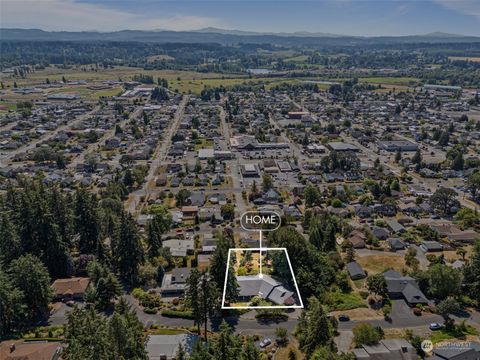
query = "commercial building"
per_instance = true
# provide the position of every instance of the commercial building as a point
(397, 145)
(342, 146)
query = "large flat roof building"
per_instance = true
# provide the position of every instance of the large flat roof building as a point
(342, 146)
(396, 145)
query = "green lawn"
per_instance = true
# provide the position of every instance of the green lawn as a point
(456, 333)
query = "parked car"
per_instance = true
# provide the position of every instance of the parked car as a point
(265, 342)
(435, 326)
(343, 317)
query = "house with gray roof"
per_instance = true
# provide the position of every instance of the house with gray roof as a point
(404, 287)
(470, 351)
(175, 282)
(391, 349)
(165, 347)
(355, 271)
(265, 287)
(396, 244)
(431, 246)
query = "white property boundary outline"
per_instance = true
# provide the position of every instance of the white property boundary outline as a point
(261, 307)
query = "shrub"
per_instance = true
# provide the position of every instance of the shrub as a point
(150, 301)
(148, 310)
(364, 294)
(138, 293)
(366, 334)
(271, 315)
(178, 314)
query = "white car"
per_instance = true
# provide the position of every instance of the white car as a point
(265, 342)
(435, 326)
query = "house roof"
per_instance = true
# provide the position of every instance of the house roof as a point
(396, 243)
(29, 350)
(70, 286)
(265, 287)
(432, 245)
(167, 345)
(354, 269)
(413, 294)
(180, 275)
(406, 285)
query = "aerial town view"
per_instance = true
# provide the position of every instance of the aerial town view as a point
(239, 180)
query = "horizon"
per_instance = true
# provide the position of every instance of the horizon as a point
(336, 17)
(238, 32)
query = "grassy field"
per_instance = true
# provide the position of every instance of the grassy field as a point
(340, 301)
(443, 334)
(185, 86)
(381, 262)
(119, 73)
(404, 81)
(282, 353)
(384, 80)
(297, 59)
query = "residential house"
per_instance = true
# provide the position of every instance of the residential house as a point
(385, 209)
(380, 233)
(189, 212)
(355, 271)
(465, 351)
(396, 244)
(30, 350)
(398, 349)
(165, 347)
(71, 288)
(405, 287)
(357, 238)
(179, 247)
(265, 287)
(395, 227)
(174, 283)
(431, 246)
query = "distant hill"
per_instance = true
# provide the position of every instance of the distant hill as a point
(214, 35)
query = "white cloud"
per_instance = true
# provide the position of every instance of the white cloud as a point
(466, 7)
(73, 16)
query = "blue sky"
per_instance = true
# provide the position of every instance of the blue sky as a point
(352, 17)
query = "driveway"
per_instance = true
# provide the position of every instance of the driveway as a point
(344, 340)
(422, 259)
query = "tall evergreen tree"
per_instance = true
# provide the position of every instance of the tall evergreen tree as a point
(86, 334)
(219, 261)
(12, 308)
(314, 329)
(87, 223)
(250, 351)
(156, 227)
(232, 290)
(202, 297)
(10, 246)
(192, 297)
(128, 254)
(30, 276)
(226, 345)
